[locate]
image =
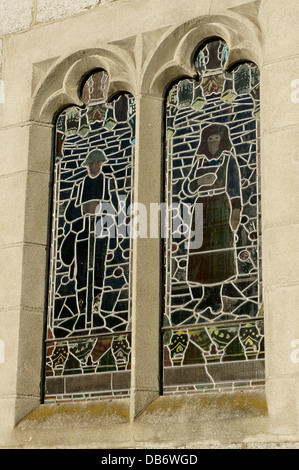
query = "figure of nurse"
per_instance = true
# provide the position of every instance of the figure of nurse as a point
(214, 182)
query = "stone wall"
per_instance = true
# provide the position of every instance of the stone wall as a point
(47, 47)
(19, 15)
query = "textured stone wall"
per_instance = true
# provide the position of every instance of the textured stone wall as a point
(19, 15)
(47, 46)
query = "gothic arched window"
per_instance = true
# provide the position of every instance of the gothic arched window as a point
(88, 341)
(213, 313)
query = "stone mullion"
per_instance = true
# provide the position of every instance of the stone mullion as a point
(146, 285)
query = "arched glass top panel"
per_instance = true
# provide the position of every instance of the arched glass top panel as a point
(212, 323)
(89, 315)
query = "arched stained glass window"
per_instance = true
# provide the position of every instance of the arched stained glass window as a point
(213, 315)
(88, 343)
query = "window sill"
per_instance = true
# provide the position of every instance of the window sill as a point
(224, 418)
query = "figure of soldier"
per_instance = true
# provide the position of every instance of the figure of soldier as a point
(88, 252)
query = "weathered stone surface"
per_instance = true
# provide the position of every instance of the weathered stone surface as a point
(48, 46)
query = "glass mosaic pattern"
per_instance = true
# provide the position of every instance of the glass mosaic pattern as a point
(213, 317)
(88, 344)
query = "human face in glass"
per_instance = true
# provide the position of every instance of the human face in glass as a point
(94, 168)
(213, 143)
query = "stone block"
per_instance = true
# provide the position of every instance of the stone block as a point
(37, 208)
(54, 9)
(34, 276)
(9, 333)
(278, 107)
(40, 148)
(280, 29)
(7, 420)
(15, 16)
(282, 331)
(14, 149)
(11, 258)
(280, 173)
(281, 401)
(12, 196)
(30, 353)
(281, 256)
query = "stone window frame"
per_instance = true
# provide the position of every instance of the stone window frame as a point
(148, 82)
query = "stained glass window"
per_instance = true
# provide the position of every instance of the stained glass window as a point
(88, 342)
(213, 335)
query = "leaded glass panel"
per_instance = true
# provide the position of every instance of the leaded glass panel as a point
(88, 343)
(213, 335)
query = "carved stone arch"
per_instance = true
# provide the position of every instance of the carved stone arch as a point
(172, 59)
(61, 87)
